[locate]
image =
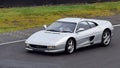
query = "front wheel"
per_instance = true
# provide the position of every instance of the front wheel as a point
(70, 46)
(106, 38)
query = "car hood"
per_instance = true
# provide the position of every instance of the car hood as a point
(46, 38)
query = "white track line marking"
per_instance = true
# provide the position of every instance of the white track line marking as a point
(12, 42)
(116, 25)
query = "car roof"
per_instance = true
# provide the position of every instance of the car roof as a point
(77, 20)
(73, 20)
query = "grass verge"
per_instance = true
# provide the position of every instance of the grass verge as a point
(12, 19)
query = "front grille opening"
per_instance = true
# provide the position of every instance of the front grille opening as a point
(38, 46)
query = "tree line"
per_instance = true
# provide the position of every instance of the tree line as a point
(19, 3)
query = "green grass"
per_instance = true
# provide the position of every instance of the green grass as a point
(12, 19)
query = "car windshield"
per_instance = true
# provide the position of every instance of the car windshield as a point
(62, 27)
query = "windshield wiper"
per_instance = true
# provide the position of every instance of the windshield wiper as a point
(67, 31)
(53, 30)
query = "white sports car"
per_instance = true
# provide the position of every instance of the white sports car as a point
(69, 34)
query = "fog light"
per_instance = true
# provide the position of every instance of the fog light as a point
(50, 46)
(27, 45)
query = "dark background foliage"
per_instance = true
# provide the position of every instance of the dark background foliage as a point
(19, 3)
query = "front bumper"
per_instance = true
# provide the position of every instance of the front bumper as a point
(29, 48)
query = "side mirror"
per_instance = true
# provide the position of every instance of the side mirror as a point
(80, 29)
(45, 26)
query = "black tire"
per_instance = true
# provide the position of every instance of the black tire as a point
(70, 46)
(106, 38)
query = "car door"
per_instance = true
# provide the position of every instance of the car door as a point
(83, 37)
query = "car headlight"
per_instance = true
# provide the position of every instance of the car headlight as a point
(50, 46)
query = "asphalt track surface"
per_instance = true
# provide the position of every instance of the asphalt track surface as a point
(15, 56)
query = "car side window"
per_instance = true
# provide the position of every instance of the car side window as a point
(92, 24)
(84, 25)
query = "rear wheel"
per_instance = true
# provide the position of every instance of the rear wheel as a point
(106, 38)
(70, 46)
